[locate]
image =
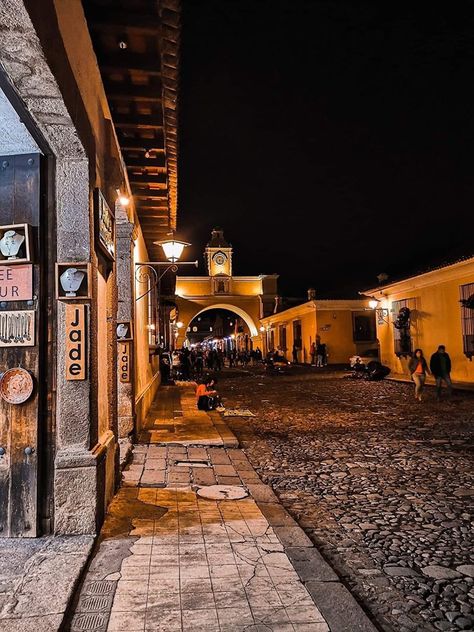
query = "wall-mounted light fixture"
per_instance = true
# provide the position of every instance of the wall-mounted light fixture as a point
(381, 312)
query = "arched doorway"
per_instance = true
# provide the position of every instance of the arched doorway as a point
(238, 311)
(220, 329)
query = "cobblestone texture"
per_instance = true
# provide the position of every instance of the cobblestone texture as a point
(383, 484)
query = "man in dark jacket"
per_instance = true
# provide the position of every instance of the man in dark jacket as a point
(440, 365)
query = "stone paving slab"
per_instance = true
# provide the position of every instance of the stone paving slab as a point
(37, 580)
(175, 420)
(170, 560)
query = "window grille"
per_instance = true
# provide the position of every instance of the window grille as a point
(363, 328)
(282, 337)
(403, 338)
(466, 293)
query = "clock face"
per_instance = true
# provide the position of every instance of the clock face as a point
(219, 258)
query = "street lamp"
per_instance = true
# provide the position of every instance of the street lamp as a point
(146, 272)
(382, 312)
(173, 248)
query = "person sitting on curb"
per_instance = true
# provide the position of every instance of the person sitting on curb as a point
(440, 365)
(207, 397)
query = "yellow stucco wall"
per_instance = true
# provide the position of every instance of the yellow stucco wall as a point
(201, 286)
(437, 319)
(332, 321)
(145, 366)
(193, 287)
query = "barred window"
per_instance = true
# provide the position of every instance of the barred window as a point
(466, 293)
(403, 336)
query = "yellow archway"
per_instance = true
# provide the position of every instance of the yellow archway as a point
(231, 308)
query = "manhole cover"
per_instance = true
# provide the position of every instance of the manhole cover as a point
(191, 463)
(222, 492)
(89, 622)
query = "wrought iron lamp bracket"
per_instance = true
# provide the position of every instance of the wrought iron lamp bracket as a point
(145, 272)
(382, 315)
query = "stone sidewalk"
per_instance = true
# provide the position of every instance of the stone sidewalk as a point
(169, 560)
(37, 580)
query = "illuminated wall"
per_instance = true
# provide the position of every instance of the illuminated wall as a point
(146, 365)
(435, 320)
(330, 321)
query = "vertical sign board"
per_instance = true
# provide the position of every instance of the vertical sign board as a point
(76, 341)
(124, 362)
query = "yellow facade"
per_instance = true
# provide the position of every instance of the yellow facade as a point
(436, 317)
(248, 297)
(146, 365)
(331, 322)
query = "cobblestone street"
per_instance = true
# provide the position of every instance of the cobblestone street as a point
(383, 485)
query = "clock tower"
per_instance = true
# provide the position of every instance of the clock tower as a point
(218, 255)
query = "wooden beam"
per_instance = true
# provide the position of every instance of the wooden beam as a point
(144, 144)
(127, 91)
(133, 162)
(126, 62)
(151, 206)
(147, 179)
(148, 196)
(123, 21)
(138, 121)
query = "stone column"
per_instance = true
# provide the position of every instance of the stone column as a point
(125, 280)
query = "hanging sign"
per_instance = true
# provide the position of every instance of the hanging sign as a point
(17, 329)
(104, 225)
(76, 341)
(124, 363)
(16, 282)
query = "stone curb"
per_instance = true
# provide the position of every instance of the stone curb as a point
(337, 605)
(331, 597)
(229, 439)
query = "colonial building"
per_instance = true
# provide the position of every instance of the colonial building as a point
(249, 297)
(346, 327)
(424, 311)
(88, 99)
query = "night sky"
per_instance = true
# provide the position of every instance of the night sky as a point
(331, 140)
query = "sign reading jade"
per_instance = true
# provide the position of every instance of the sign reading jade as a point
(16, 282)
(76, 342)
(124, 361)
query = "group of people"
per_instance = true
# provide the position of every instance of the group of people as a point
(319, 354)
(439, 367)
(191, 363)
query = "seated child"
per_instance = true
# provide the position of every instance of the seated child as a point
(207, 397)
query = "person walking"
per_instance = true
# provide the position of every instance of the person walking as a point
(418, 368)
(320, 350)
(312, 353)
(440, 366)
(294, 353)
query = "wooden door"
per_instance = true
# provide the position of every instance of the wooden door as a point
(20, 204)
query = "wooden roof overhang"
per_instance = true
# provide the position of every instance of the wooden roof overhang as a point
(137, 47)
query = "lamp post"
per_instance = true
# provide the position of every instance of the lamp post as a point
(151, 273)
(173, 249)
